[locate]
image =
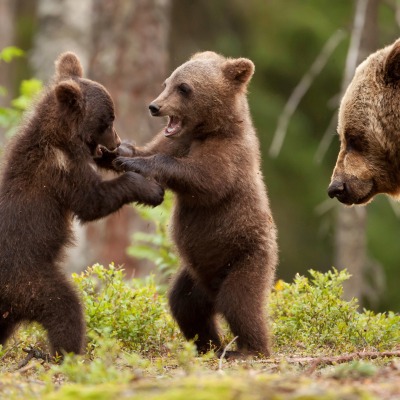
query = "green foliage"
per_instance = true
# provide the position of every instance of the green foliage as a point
(106, 365)
(308, 315)
(311, 314)
(355, 369)
(156, 247)
(133, 313)
(9, 53)
(10, 117)
(184, 354)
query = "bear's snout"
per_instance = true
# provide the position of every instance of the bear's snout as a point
(154, 109)
(336, 188)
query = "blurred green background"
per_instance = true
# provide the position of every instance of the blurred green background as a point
(283, 38)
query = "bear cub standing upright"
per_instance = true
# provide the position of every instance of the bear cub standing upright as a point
(49, 177)
(222, 225)
(369, 130)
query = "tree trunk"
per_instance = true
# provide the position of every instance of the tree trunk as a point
(7, 9)
(130, 56)
(63, 25)
(350, 232)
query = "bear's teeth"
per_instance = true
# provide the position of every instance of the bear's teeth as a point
(173, 127)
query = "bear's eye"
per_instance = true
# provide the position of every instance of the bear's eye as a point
(105, 125)
(184, 89)
(353, 143)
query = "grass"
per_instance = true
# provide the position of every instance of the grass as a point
(135, 350)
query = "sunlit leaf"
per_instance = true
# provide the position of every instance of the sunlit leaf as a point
(10, 52)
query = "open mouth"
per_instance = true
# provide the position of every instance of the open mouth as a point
(174, 126)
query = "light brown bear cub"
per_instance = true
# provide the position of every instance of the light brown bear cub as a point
(369, 131)
(209, 156)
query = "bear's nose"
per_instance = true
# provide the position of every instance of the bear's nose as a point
(154, 108)
(336, 188)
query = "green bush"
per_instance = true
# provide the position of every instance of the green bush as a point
(132, 312)
(310, 315)
(106, 365)
(156, 247)
(10, 117)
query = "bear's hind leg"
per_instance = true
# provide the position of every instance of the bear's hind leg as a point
(194, 312)
(60, 313)
(7, 328)
(242, 301)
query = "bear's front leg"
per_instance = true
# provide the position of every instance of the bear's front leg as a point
(104, 158)
(147, 166)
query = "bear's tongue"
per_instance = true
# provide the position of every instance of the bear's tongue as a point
(173, 127)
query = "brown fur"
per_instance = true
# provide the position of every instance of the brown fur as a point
(369, 130)
(49, 178)
(222, 224)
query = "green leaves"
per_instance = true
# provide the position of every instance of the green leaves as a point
(311, 315)
(29, 89)
(131, 312)
(10, 52)
(156, 246)
(10, 117)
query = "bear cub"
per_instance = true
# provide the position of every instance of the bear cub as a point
(208, 155)
(369, 126)
(49, 178)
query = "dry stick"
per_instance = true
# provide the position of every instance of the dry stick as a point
(25, 361)
(9, 350)
(355, 42)
(351, 63)
(224, 352)
(316, 361)
(301, 89)
(32, 353)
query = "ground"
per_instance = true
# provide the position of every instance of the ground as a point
(165, 379)
(324, 348)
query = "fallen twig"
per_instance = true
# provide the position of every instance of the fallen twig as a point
(9, 350)
(224, 353)
(301, 89)
(317, 361)
(32, 353)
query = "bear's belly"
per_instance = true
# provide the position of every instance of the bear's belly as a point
(211, 246)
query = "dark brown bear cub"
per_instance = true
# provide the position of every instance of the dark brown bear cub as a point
(209, 156)
(48, 179)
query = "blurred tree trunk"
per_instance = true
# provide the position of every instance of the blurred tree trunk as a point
(7, 34)
(63, 25)
(130, 57)
(350, 231)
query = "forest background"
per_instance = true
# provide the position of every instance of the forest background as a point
(132, 46)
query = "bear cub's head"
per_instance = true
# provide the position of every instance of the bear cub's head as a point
(200, 96)
(369, 130)
(84, 106)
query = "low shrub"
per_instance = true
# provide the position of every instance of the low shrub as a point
(311, 316)
(133, 312)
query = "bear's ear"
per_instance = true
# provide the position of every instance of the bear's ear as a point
(68, 66)
(69, 95)
(392, 64)
(238, 70)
